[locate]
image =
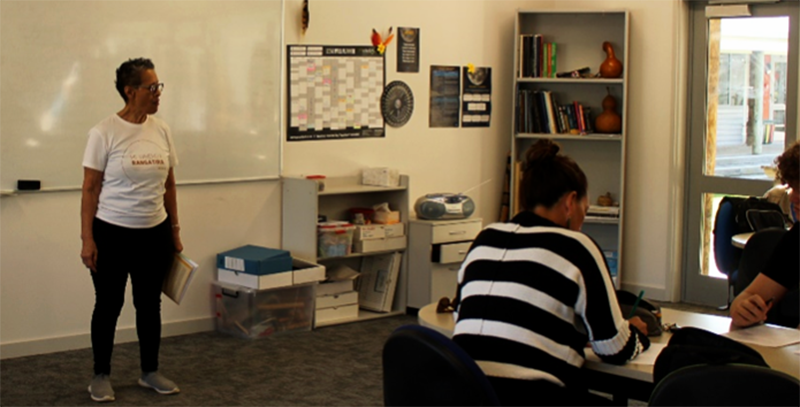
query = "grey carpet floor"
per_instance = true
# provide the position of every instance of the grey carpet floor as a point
(332, 366)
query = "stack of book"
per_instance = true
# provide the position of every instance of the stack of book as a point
(537, 111)
(537, 59)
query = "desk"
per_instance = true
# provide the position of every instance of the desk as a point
(741, 239)
(633, 380)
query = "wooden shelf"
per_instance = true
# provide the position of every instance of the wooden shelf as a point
(352, 255)
(603, 220)
(357, 189)
(561, 136)
(582, 81)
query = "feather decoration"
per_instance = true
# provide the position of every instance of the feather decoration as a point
(306, 16)
(379, 42)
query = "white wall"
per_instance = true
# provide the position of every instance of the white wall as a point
(46, 295)
(449, 160)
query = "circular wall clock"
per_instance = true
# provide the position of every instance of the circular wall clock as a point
(397, 103)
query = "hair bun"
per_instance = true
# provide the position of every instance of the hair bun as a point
(543, 150)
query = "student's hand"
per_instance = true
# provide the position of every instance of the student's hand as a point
(749, 310)
(639, 324)
(89, 254)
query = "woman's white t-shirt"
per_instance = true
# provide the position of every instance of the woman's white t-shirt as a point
(135, 160)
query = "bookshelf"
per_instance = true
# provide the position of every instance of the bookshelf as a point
(579, 38)
(303, 202)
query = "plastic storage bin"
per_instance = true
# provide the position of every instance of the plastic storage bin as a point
(250, 313)
(334, 239)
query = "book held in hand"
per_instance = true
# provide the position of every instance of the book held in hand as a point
(180, 275)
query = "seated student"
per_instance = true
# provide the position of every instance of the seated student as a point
(782, 271)
(524, 285)
(781, 196)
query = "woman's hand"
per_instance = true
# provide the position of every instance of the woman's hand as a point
(639, 324)
(89, 254)
(176, 239)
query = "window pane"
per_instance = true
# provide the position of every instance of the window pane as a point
(746, 87)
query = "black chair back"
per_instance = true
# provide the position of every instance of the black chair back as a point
(760, 219)
(726, 385)
(422, 367)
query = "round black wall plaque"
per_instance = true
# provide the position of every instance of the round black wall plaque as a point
(397, 103)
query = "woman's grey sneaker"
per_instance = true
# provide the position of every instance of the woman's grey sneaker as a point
(100, 389)
(159, 383)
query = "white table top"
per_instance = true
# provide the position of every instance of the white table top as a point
(741, 239)
(785, 359)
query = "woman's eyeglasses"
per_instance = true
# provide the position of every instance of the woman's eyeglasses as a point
(156, 87)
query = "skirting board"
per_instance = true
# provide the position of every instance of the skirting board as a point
(64, 343)
(651, 292)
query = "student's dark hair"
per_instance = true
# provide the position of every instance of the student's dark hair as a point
(130, 74)
(789, 164)
(549, 175)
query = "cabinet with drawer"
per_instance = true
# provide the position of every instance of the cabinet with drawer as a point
(437, 248)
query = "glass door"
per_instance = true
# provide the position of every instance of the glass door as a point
(743, 81)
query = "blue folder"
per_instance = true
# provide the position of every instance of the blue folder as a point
(256, 260)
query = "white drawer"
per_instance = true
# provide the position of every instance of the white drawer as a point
(454, 232)
(453, 252)
(337, 300)
(444, 281)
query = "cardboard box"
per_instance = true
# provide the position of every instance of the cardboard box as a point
(254, 281)
(386, 217)
(378, 281)
(250, 313)
(395, 230)
(383, 176)
(326, 316)
(337, 300)
(380, 245)
(306, 272)
(255, 260)
(334, 287)
(367, 232)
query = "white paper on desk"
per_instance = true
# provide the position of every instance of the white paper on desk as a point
(770, 336)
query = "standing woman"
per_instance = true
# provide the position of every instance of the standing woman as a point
(533, 292)
(129, 222)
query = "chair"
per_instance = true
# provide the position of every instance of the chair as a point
(725, 254)
(760, 219)
(424, 367)
(726, 385)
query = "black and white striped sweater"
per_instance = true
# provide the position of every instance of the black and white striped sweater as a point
(521, 289)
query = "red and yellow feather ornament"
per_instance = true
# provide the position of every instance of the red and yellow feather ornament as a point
(379, 43)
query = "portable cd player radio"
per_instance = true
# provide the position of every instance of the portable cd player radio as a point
(444, 206)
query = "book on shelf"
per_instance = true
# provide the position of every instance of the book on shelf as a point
(538, 111)
(179, 277)
(536, 58)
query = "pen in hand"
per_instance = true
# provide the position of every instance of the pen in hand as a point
(636, 304)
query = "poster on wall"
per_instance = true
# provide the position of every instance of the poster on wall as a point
(444, 96)
(476, 98)
(334, 92)
(407, 49)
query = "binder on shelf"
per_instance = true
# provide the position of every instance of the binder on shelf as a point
(378, 281)
(179, 277)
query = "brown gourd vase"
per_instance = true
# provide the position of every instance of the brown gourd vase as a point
(611, 67)
(608, 121)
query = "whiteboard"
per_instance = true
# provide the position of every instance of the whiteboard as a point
(220, 61)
